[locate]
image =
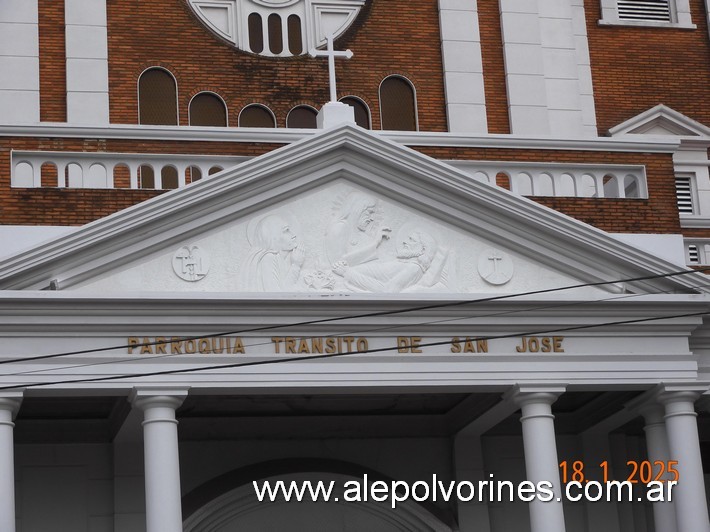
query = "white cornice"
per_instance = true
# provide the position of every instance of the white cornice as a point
(287, 136)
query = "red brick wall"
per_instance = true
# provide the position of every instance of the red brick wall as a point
(493, 67)
(658, 214)
(384, 41)
(52, 62)
(634, 69)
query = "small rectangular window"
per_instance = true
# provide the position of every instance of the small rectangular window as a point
(693, 255)
(659, 10)
(684, 194)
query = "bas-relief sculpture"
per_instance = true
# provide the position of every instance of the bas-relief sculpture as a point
(348, 255)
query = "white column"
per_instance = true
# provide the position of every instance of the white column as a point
(547, 68)
(541, 461)
(87, 62)
(9, 405)
(162, 464)
(19, 62)
(463, 66)
(657, 444)
(684, 444)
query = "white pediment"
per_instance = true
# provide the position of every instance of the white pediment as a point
(661, 120)
(343, 212)
(336, 238)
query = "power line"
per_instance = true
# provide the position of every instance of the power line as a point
(378, 329)
(432, 306)
(337, 355)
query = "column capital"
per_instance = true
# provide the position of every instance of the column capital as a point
(11, 400)
(144, 398)
(523, 394)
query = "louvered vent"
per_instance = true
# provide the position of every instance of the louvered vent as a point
(693, 257)
(645, 10)
(684, 195)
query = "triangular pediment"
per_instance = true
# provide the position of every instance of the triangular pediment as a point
(661, 120)
(344, 211)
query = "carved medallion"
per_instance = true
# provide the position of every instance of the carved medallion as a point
(191, 263)
(495, 267)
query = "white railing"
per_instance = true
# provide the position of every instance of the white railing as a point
(562, 179)
(34, 169)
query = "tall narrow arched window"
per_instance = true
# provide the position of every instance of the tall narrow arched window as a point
(276, 41)
(302, 116)
(398, 104)
(256, 115)
(362, 113)
(256, 33)
(157, 98)
(207, 109)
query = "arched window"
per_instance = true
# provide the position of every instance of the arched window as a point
(302, 116)
(157, 98)
(207, 109)
(295, 35)
(276, 41)
(362, 113)
(398, 106)
(256, 33)
(256, 115)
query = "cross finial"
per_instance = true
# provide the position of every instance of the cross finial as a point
(331, 54)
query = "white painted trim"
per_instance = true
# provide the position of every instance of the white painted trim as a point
(680, 16)
(177, 93)
(638, 143)
(414, 92)
(367, 107)
(239, 118)
(189, 107)
(635, 125)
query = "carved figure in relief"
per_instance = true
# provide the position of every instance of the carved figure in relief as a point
(275, 260)
(415, 254)
(355, 235)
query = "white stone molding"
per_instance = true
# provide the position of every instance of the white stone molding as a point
(162, 462)
(286, 136)
(463, 66)
(87, 62)
(679, 14)
(540, 446)
(19, 62)
(548, 73)
(661, 120)
(684, 446)
(9, 405)
(229, 19)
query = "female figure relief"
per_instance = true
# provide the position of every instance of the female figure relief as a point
(275, 260)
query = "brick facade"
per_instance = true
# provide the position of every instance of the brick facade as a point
(633, 69)
(166, 33)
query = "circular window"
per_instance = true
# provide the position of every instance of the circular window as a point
(276, 28)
